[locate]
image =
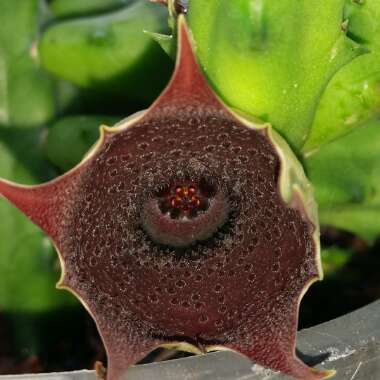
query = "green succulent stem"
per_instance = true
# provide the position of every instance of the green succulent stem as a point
(352, 98)
(272, 60)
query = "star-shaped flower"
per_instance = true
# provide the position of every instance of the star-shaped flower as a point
(187, 225)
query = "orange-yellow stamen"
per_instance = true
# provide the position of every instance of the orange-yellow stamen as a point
(185, 198)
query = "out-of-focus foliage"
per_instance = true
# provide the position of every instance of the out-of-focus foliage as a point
(346, 177)
(335, 258)
(110, 52)
(69, 8)
(26, 91)
(27, 260)
(76, 132)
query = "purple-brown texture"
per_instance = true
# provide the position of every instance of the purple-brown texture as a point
(173, 229)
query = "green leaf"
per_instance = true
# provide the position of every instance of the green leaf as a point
(26, 92)
(77, 132)
(346, 177)
(110, 53)
(353, 95)
(167, 42)
(68, 8)
(272, 59)
(334, 259)
(363, 17)
(28, 262)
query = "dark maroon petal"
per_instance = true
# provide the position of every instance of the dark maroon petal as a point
(175, 228)
(44, 204)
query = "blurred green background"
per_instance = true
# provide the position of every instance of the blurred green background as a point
(67, 66)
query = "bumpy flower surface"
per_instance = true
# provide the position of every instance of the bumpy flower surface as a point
(174, 230)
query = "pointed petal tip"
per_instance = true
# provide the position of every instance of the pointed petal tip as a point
(15, 193)
(301, 371)
(290, 365)
(328, 374)
(188, 85)
(316, 374)
(40, 203)
(320, 374)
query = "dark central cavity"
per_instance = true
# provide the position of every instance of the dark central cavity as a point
(185, 212)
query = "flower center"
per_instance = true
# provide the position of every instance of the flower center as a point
(186, 199)
(184, 213)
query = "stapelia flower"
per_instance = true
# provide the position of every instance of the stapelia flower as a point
(187, 225)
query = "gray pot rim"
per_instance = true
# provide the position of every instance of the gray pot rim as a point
(350, 344)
